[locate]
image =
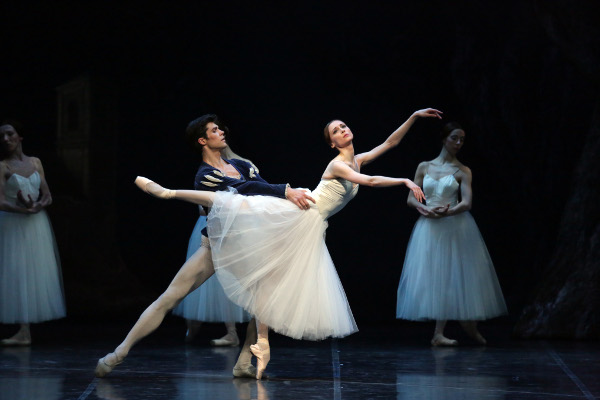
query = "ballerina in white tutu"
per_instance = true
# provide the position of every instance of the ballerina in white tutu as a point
(271, 258)
(448, 273)
(30, 278)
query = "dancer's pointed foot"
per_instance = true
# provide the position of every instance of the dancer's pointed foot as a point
(245, 372)
(470, 328)
(262, 352)
(227, 340)
(106, 364)
(153, 188)
(441, 340)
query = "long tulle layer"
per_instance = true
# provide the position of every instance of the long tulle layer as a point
(30, 277)
(271, 259)
(208, 303)
(448, 273)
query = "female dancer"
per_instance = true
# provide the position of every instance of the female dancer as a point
(30, 278)
(447, 273)
(271, 258)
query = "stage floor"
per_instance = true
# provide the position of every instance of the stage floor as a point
(390, 362)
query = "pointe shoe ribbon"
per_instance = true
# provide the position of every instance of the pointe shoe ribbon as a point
(153, 188)
(262, 352)
(103, 368)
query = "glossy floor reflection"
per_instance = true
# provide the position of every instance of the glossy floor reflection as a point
(392, 362)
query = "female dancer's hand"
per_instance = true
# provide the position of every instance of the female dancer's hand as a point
(442, 211)
(428, 113)
(435, 212)
(31, 206)
(417, 192)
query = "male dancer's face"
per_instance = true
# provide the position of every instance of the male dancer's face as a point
(215, 137)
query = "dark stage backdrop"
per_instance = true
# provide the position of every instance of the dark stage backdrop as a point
(520, 76)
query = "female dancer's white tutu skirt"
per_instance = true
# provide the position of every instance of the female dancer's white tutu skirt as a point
(30, 277)
(448, 273)
(271, 259)
(208, 303)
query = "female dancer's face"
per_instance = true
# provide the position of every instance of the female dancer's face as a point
(454, 141)
(9, 138)
(215, 137)
(340, 134)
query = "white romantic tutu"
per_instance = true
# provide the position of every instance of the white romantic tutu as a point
(208, 303)
(30, 278)
(271, 259)
(448, 273)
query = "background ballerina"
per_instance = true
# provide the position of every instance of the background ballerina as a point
(30, 277)
(448, 273)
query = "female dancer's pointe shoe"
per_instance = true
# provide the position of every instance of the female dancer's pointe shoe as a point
(475, 335)
(15, 342)
(262, 352)
(227, 340)
(153, 188)
(471, 329)
(103, 368)
(245, 372)
(441, 340)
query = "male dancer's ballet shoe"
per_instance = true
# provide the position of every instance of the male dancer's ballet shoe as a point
(153, 188)
(12, 342)
(227, 340)
(245, 372)
(441, 340)
(262, 352)
(103, 368)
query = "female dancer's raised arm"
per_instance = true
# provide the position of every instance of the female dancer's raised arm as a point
(394, 139)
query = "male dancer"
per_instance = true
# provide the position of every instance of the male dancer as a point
(215, 173)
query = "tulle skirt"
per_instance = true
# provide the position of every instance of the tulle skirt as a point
(271, 259)
(448, 273)
(30, 277)
(208, 303)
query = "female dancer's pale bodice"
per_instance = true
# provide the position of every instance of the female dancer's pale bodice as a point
(331, 195)
(440, 192)
(29, 186)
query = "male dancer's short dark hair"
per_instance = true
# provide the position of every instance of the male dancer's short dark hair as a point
(197, 129)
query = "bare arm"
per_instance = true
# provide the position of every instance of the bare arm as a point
(340, 169)
(466, 193)
(4, 204)
(412, 201)
(394, 139)
(45, 198)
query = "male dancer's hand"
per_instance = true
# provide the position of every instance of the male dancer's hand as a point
(299, 197)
